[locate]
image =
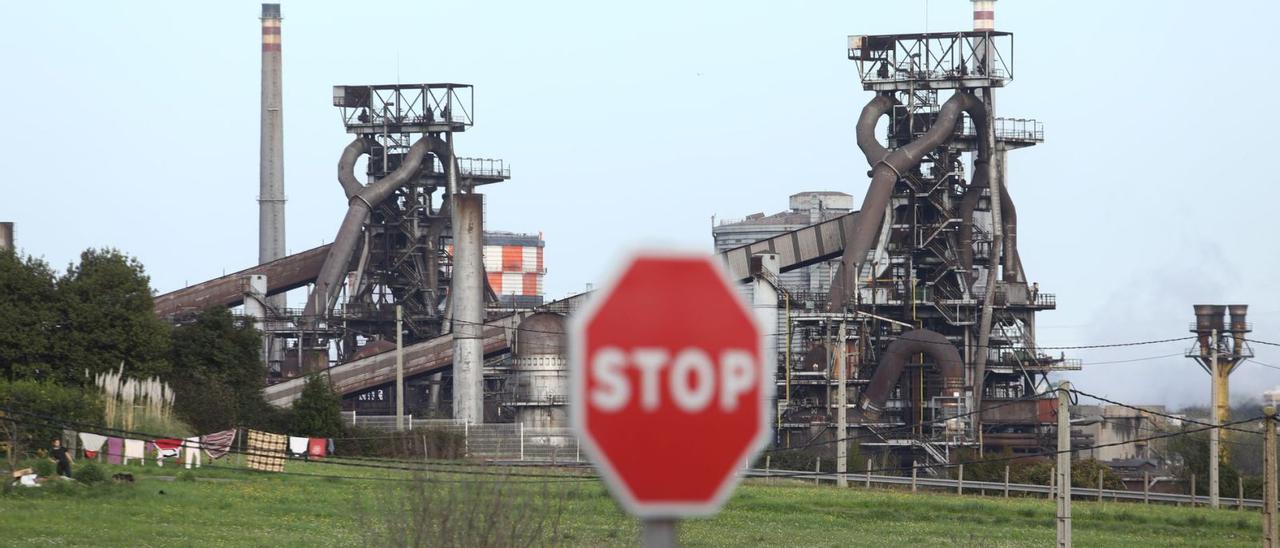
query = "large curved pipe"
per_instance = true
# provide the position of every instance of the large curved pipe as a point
(338, 261)
(887, 168)
(1008, 221)
(967, 204)
(895, 358)
(347, 163)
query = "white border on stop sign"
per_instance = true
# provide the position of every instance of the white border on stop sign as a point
(577, 391)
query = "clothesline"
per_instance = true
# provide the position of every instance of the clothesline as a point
(267, 451)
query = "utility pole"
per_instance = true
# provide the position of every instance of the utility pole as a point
(1215, 434)
(842, 443)
(399, 368)
(1269, 539)
(1064, 465)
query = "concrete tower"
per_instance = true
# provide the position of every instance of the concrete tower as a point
(271, 153)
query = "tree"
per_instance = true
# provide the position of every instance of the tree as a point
(1194, 449)
(218, 373)
(29, 315)
(318, 410)
(108, 319)
(40, 408)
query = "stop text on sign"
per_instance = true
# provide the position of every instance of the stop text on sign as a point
(691, 378)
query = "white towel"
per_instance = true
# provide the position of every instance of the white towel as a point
(92, 442)
(298, 446)
(191, 451)
(134, 449)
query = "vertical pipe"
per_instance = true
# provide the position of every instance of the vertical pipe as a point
(271, 225)
(1214, 434)
(842, 425)
(466, 296)
(1269, 538)
(399, 368)
(1064, 464)
(764, 304)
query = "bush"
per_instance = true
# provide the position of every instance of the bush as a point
(496, 512)
(90, 473)
(318, 410)
(44, 468)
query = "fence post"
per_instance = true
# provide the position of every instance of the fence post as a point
(1240, 497)
(1053, 481)
(1146, 487)
(817, 469)
(868, 473)
(466, 439)
(424, 448)
(768, 477)
(1006, 481)
(1193, 490)
(522, 441)
(960, 482)
(1099, 485)
(913, 476)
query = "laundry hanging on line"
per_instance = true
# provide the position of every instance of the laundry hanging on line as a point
(218, 444)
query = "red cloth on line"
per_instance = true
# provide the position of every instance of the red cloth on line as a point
(90, 454)
(168, 444)
(316, 447)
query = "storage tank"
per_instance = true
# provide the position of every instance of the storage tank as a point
(539, 380)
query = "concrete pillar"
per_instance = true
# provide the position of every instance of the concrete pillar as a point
(466, 296)
(254, 287)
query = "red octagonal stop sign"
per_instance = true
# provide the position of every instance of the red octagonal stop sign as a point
(669, 392)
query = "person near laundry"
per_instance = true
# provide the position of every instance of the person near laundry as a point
(61, 456)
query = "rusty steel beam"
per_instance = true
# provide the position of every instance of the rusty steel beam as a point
(369, 372)
(282, 274)
(795, 249)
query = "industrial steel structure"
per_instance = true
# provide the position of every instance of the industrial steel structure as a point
(937, 312)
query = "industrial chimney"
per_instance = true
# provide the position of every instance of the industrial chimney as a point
(271, 152)
(984, 15)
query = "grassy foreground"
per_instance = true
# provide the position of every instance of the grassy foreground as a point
(229, 507)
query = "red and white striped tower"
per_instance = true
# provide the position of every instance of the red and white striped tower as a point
(984, 15)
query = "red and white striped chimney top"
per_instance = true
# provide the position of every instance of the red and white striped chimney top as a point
(984, 15)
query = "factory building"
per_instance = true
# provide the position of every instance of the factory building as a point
(514, 267)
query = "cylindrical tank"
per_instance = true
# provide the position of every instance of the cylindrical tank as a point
(540, 382)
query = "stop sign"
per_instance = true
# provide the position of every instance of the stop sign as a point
(669, 389)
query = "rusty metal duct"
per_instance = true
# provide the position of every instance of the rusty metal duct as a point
(337, 262)
(895, 358)
(1239, 326)
(1204, 325)
(887, 167)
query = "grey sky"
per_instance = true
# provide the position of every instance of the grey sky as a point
(135, 125)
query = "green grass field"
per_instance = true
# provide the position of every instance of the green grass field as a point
(226, 507)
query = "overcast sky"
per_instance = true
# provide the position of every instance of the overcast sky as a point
(135, 125)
